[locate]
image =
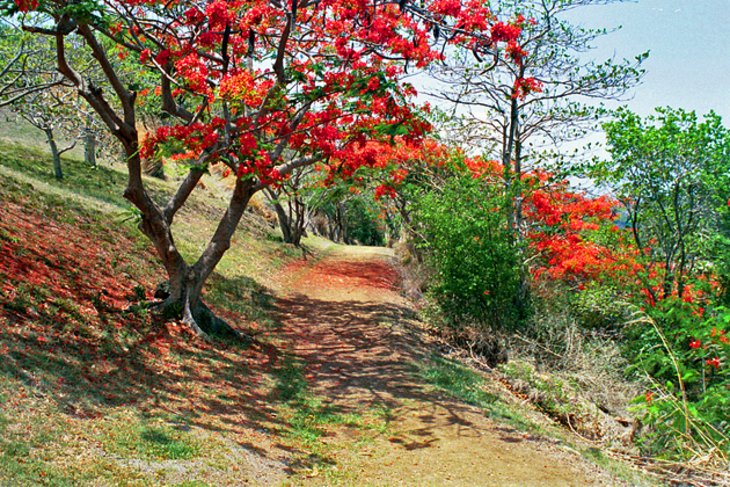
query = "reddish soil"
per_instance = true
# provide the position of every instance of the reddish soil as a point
(357, 334)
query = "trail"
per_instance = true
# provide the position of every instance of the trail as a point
(362, 345)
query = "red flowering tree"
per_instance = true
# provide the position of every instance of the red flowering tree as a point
(531, 98)
(241, 83)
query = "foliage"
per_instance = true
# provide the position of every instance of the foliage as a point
(243, 82)
(686, 361)
(471, 252)
(352, 217)
(671, 172)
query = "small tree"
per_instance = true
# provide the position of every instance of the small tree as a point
(41, 96)
(52, 112)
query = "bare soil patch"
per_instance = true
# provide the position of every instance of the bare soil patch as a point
(361, 344)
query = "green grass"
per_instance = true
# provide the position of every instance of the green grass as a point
(619, 469)
(307, 415)
(457, 381)
(465, 384)
(101, 183)
(21, 453)
(132, 439)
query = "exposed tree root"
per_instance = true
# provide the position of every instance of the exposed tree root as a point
(199, 317)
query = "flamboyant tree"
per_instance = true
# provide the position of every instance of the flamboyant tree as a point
(533, 97)
(241, 82)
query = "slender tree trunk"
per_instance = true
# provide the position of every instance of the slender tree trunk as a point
(57, 171)
(299, 212)
(341, 222)
(284, 222)
(90, 148)
(291, 222)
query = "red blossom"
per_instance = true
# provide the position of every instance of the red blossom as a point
(713, 362)
(525, 86)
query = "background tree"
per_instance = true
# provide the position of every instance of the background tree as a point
(22, 70)
(39, 95)
(54, 112)
(671, 171)
(289, 201)
(534, 96)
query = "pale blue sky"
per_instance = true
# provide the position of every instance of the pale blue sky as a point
(689, 40)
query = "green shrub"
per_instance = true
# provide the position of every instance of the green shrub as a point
(470, 249)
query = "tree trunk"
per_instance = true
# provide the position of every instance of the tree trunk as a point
(284, 222)
(291, 222)
(57, 171)
(90, 148)
(195, 313)
(182, 299)
(299, 213)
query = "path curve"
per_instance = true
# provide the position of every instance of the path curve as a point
(360, 341)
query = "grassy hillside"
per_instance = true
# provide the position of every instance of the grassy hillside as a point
(92, 387)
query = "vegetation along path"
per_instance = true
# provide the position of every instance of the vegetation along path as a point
(364, 350)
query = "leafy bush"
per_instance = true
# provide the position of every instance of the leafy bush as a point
(475, 262)
(685, 356)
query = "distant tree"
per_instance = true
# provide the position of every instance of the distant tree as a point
(52, 111)
(671, 171)
(536, 93)
(37, 93)
(289, 201)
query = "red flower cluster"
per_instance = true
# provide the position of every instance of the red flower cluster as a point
(713, 362)
(27, 5)
(505, 32)
(384, 190)
(525, 86)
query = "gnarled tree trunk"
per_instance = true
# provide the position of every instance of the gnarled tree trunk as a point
(183, 299)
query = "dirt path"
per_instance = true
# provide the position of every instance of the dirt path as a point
(356, 334)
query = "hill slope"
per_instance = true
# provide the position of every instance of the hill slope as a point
(343, 384)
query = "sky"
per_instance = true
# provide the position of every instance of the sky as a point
(689, 44)
(689, 61)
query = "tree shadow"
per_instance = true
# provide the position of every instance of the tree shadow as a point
(88, 368)
(366, 354)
